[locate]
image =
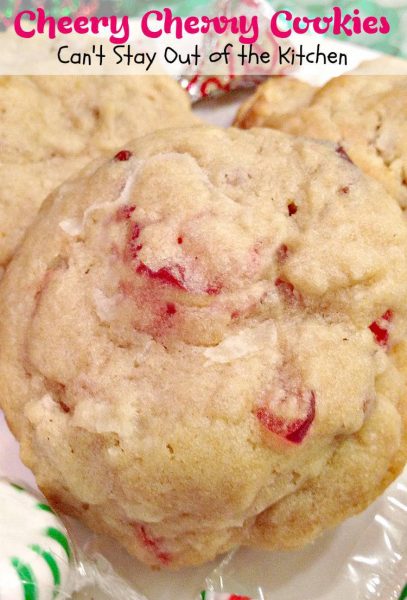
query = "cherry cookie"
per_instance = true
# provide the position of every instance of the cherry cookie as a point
(364, 112)
(202, 343)
(51, 127)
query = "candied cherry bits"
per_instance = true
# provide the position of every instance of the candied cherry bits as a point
(171, 309)
(340, 150)
(124, 212)
(293, 430)
(288, 291)
(152, 545)
(132, 246)
(282, 253)
(380, 328)
(172, 275)
(292, 208)
(123, 155)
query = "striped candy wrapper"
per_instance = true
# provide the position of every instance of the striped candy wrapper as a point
(210, 80)
(35, 553)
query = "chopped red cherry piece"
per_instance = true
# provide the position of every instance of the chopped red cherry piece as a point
(282, 253)
(286, 287)
(123, 155)
(287, 290)
(180, 240)
(342, 153)
(234, 597)
(380, 328)
(64, 406)
(294, 431)
(153, 545)
(171, 308)
(135, 231)
(213, 290)
(174, 277)
(124, 212)
(133, 247)
(292, 208)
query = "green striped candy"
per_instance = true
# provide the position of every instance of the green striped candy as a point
(35, 553)
(403, 594)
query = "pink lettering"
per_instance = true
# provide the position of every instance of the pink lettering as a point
(370, 25)
(42, 21)
(170, 20)
(65, 25)
(275, 27)
(297, 24)
(384, 25)
(119, 27)
(246, 27)
(318, 28)
(145, 24)
(191, 25)
(341, 24)
(80, 25)
(120, 31)
(357, 24)
(17, 24)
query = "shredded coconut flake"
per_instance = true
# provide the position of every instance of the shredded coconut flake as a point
(36, 409)
(72, 227)
(246, 342)
(103, 417)
(104, 305)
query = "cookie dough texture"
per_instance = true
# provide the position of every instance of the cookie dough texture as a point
(365, 113)
(202, 343)
(274, 100)
(51, 127)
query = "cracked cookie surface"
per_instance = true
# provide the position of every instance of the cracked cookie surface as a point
(202, 343)
(365, 114)
(51, 127)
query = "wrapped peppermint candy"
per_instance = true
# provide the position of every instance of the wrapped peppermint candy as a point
(214, 79)
(37, 559)
(35, 552)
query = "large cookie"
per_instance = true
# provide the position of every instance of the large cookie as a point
(50, 127)
(365, 114)
(202, 343)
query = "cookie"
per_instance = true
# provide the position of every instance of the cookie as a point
(53, 126)
(277, 98)
(365, 114)
(202, 343)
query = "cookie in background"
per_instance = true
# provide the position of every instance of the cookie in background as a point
(51, 127)
(365, 115)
